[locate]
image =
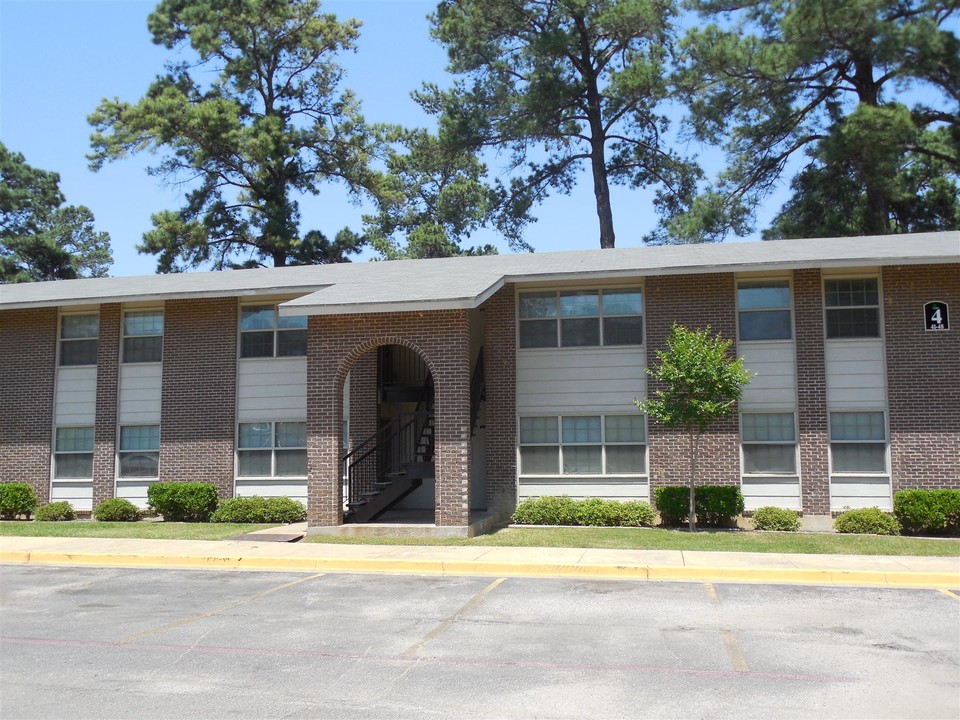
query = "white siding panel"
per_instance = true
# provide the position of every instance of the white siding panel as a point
(134, 490)
(76, 401)
(778, 492)
(606, 488)
(280, 487)
(567, 380)
(855, 374)
(78, 493)
(274, 389)
(140, 388)
(860, 492)
(775, 385)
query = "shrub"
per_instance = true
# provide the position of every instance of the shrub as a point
(55, 512)
(867, 521)
(672, 503)
(183, 501)
(116, 510)
(259, 510)
(717, 505)
(589, 511)
(928, 512)
(16, 499)
(774, 518)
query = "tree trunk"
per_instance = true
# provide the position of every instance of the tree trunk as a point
(878, 199)
(693, 479)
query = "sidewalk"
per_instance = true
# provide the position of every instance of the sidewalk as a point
(770, 568)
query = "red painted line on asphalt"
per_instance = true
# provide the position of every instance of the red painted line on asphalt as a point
(432, 659)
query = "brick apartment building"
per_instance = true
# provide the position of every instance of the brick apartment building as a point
(465, 384)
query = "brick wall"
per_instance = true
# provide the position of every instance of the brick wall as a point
(198, 399)
(363, 398)
(694, 301)
(335, 344)
(105, 424)
(28, 356)
(500, 366)
(923, 377)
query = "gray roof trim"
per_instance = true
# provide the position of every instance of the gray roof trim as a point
(291, 308)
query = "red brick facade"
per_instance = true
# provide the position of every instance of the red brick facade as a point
(335, 344)
(811, 392)
(105, 423)
(198, 411)
(695, 301)
(28, 356)
(923, 377)
(363, 398)
(500, 366)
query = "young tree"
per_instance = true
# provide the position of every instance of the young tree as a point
(561, 83)
(867, 89)
(255, 121)
(39, 239)
(700, 383)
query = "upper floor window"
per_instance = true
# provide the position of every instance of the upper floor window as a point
(581, 318)
(764, 309)
(853, 308)
(769, 443)
(78, 339)
(143, 336)
(263, 333)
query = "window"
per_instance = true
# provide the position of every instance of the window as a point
(581, 318)
(143, 336)
(853, 308)
(263, 333)
(272, 449)
(858, 442)
(769, 443)
(78, 339)
(140, 451)
(73, 453)
(583, 445)
(764, 310)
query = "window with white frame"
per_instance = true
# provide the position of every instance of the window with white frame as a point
(143, 336)
(581, 318)
(583, 445)
(73, 453)
(272, 449)
(769, 443)
(764, 309)
(139, 454)
(263, 333)
(78, 339)
(858, 443)
(852, 307)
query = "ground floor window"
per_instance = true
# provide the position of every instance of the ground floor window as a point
(858, 443)
(272, 449)
(139, 451)
(583, 445)
(769, 443)
(73, 453)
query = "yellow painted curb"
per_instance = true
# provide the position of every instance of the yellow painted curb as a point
(790, 576)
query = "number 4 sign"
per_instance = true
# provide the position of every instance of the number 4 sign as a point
(935, 316)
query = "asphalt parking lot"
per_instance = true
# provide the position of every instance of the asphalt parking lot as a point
(122, 643)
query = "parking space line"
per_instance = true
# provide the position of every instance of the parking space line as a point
(211, 613)
(949, 593)
(737, 658)
(442, 627)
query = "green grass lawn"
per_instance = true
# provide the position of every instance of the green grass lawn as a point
(150, 530)
(657, 539)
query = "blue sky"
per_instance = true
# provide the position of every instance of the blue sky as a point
(59, 58)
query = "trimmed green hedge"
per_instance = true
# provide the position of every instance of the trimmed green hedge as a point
(867, 521)
(183, 502)
(257, 509)
(774, 518)
(715, 505)
(55, 512)
(116, 510)
(928, 512)
(589, 511)
(17, 499)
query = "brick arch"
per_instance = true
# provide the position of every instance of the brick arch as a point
(372, 344)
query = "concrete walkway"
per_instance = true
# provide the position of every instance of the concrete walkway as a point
(917, 572)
